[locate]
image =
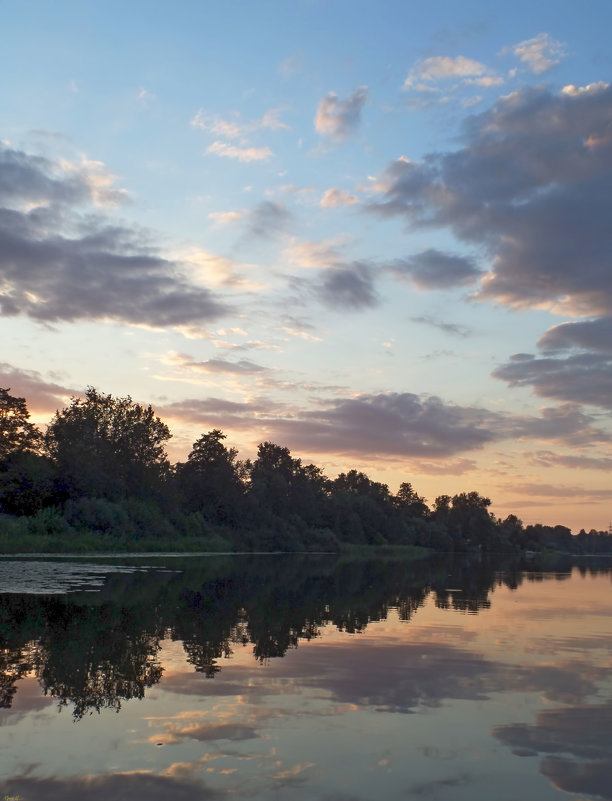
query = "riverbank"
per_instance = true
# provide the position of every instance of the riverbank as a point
(83, 542)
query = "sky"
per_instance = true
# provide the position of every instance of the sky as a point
(378, 234)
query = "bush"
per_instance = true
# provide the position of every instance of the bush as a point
(98, 514)
(147, 519)
(322, 539)
(49, 523)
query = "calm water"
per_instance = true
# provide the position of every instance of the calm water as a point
(281, 677)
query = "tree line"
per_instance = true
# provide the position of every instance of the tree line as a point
(100, 470)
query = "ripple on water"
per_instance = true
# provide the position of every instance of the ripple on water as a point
(55, 578)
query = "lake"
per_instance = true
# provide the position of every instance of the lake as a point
(305, 677)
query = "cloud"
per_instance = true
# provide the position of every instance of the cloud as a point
(349, 287)
(235, 127)
(530, 190)
(584, 378)
(595, 335)
(580, 377)
(557, 491)
(208, 269)
(565, 423)
(456, 467)
(453, 329)
(244, 154)
(426, 74)
(383, 426)
(300, 192)
(390, 425)
(242, 367)
(438, 68)
(540, 53)
(314, 255)
(145, 97)
(550, 459)
(42, 396)
(292, 65)
(340, 284)
(28, 181)
(334, 197)
(213, 123)
(433, 269)
(271, 121)
(268, 218)
(59, 265)
(295, 332)
(486, 81)
(339, 119)
(225, 217)
(221, 413)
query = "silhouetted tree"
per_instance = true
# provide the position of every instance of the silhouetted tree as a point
(469, 520)
(362, 509)
(410, 502)
(109, 447)
(27, 483)
(272, 477)
(26, 477)
(16, 431)
(210, 479)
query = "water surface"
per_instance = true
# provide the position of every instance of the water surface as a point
(277, 677)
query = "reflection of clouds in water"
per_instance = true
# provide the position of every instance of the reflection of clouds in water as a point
(26, 701)
(583, 733)
(593, 778)
(398, 677)
(232, 721)
(118, 786)
(293, 775)
(433, 787)
(435, 752)
(403, 677)
(204, 732)
(575, 613)
(554, 645)
(188, 683)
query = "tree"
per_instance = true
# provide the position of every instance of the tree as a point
(26, 477)
(469, 520)
(108, 447)
(210, 478)
(27, 483)
(272, 475)
(362, 509)
(16, 432)
(410, 502)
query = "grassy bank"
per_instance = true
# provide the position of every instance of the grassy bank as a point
(349, 551)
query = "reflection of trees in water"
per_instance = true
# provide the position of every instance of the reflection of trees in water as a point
(101, 669)
(15, 663)
(94, 651)
(91, 656)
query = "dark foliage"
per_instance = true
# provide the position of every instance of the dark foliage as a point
(101, 468)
